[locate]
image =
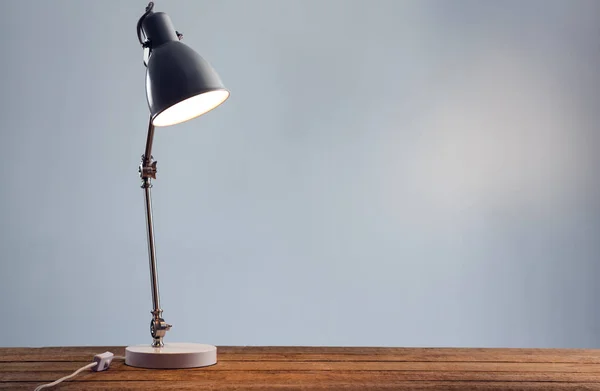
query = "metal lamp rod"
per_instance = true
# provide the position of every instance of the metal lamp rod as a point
(147, 170)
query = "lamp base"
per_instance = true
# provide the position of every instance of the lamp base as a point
(171, 356)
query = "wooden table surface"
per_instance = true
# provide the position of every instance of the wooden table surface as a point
(316, 368)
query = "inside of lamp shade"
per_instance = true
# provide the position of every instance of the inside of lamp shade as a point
(190, 108)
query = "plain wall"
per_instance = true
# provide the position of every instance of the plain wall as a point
(388, 173)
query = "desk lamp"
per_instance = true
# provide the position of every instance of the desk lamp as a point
(180, 85)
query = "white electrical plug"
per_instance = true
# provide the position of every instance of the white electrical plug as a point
(102, 361)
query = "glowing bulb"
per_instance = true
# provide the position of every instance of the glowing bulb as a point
(191, 108)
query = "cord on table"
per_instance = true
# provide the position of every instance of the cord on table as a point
(77, 372)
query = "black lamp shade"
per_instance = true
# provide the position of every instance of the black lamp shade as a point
(180, 85)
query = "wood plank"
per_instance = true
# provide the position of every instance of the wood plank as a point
(68, 353)
(118, 365)
(409, 354)
(316, 368)
(399, 386)
(227, 353)
(268, 377)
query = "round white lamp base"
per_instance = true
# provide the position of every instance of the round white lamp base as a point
(171, 356)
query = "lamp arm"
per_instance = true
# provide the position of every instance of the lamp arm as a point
(147, 170)
(147, 157)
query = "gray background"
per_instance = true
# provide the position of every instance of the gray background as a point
(400, 173)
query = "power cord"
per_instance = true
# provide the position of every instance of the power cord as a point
(139, 23)
(101, 363)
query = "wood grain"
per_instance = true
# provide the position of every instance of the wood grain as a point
(329, 366)
(247, 353)
(373, 386)
(318, 368)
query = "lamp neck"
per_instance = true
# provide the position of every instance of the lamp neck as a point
(147, 170)
(158, 29)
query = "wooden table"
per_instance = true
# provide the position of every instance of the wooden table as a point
(317, 368)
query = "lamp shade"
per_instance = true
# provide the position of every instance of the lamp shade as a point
(180, 84)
